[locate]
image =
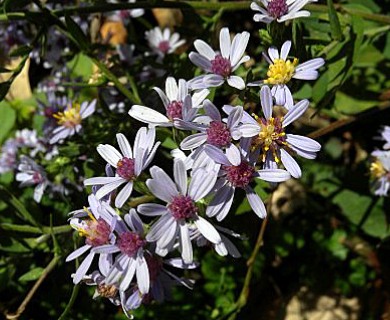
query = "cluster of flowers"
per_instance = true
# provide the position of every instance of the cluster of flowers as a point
(222, 152)
(380, 166)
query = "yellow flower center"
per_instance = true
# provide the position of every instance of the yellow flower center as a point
(376, 169)
(70, 117)
(270, 137)
(281, 72)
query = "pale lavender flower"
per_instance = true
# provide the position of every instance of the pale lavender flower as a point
(380, 172)
(124, 15)
(69, 121)
(9, 151)
(238, 171)
(181, 209)
(31, 174)
(271, 141)
(131, 259)
(279, 10)
(162, 42)
(128, 165)
(97, 224)
(281, 70)
(177, 102)
(220, 66)
(26, 138)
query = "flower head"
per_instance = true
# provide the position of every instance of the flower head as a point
(128, 164)
(162, 42)
(279, 10)
(69, 120)
(177, 101)
(220, 65)
(281, 70)
(380, 172)
(181, 210)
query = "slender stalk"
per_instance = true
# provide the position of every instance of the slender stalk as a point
(187, 5)
(31, 293)
(31, 229)
(71, 302)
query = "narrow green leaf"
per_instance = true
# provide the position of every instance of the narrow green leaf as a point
(77, 34)
(32, 275)
(335, 27)
(21, 51)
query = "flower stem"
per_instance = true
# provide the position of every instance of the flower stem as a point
(31, 229)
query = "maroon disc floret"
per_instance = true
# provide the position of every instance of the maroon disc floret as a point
(218, 134)
(175, 110)
(277, 8)
(97, 232)
(241, 175)
(125, 168)
(130, 242)
(183, 207)
(221, 66)
(164, 46)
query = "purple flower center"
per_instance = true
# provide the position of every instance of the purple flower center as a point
(221, 66)
(130, 242)
(164, 46)
(125, 168)
(37, 177)
(277, 8)
(97, 232)
(175, 110)
(241, 175)
(218, 134)
(183, 207)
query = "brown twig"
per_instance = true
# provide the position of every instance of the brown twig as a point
(33, 290)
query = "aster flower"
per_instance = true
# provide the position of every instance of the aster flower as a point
(380, 172)
(281, 70)
(181, 209)
(215, 132)
(271, 141)
(122, 15)
(162, 42)
(220, 65)
(128, 165)
(131, 260)
(9, 151)
(31, 174)
(238, 171)
(97, 224)
(279, 10)
(70, 119)
(177, 102)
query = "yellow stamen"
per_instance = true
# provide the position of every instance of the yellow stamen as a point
(90, 215)
(376, 169)
(70, 117)
(281, 71)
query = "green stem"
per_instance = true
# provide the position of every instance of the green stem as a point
(31, 229)
(189, 5)
(71, 302)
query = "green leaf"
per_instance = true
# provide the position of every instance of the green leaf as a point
(335, 28)
(349, 105)
(77, 34)
(32, 275)
(8, 117)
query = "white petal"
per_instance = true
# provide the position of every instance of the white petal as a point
(124, 194)
(204, 49)
(147, 115)
(185, 243)
(290, 164)
(285, 50)
(142, 273)
(109, 153)
(124, 145)
(295, 112)
(224, 42)
(171, 88)
(236, 82)
(207, 230)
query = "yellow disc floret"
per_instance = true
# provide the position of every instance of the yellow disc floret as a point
(271, 136)
(281, 71)
(376, 169)
(70, 118)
